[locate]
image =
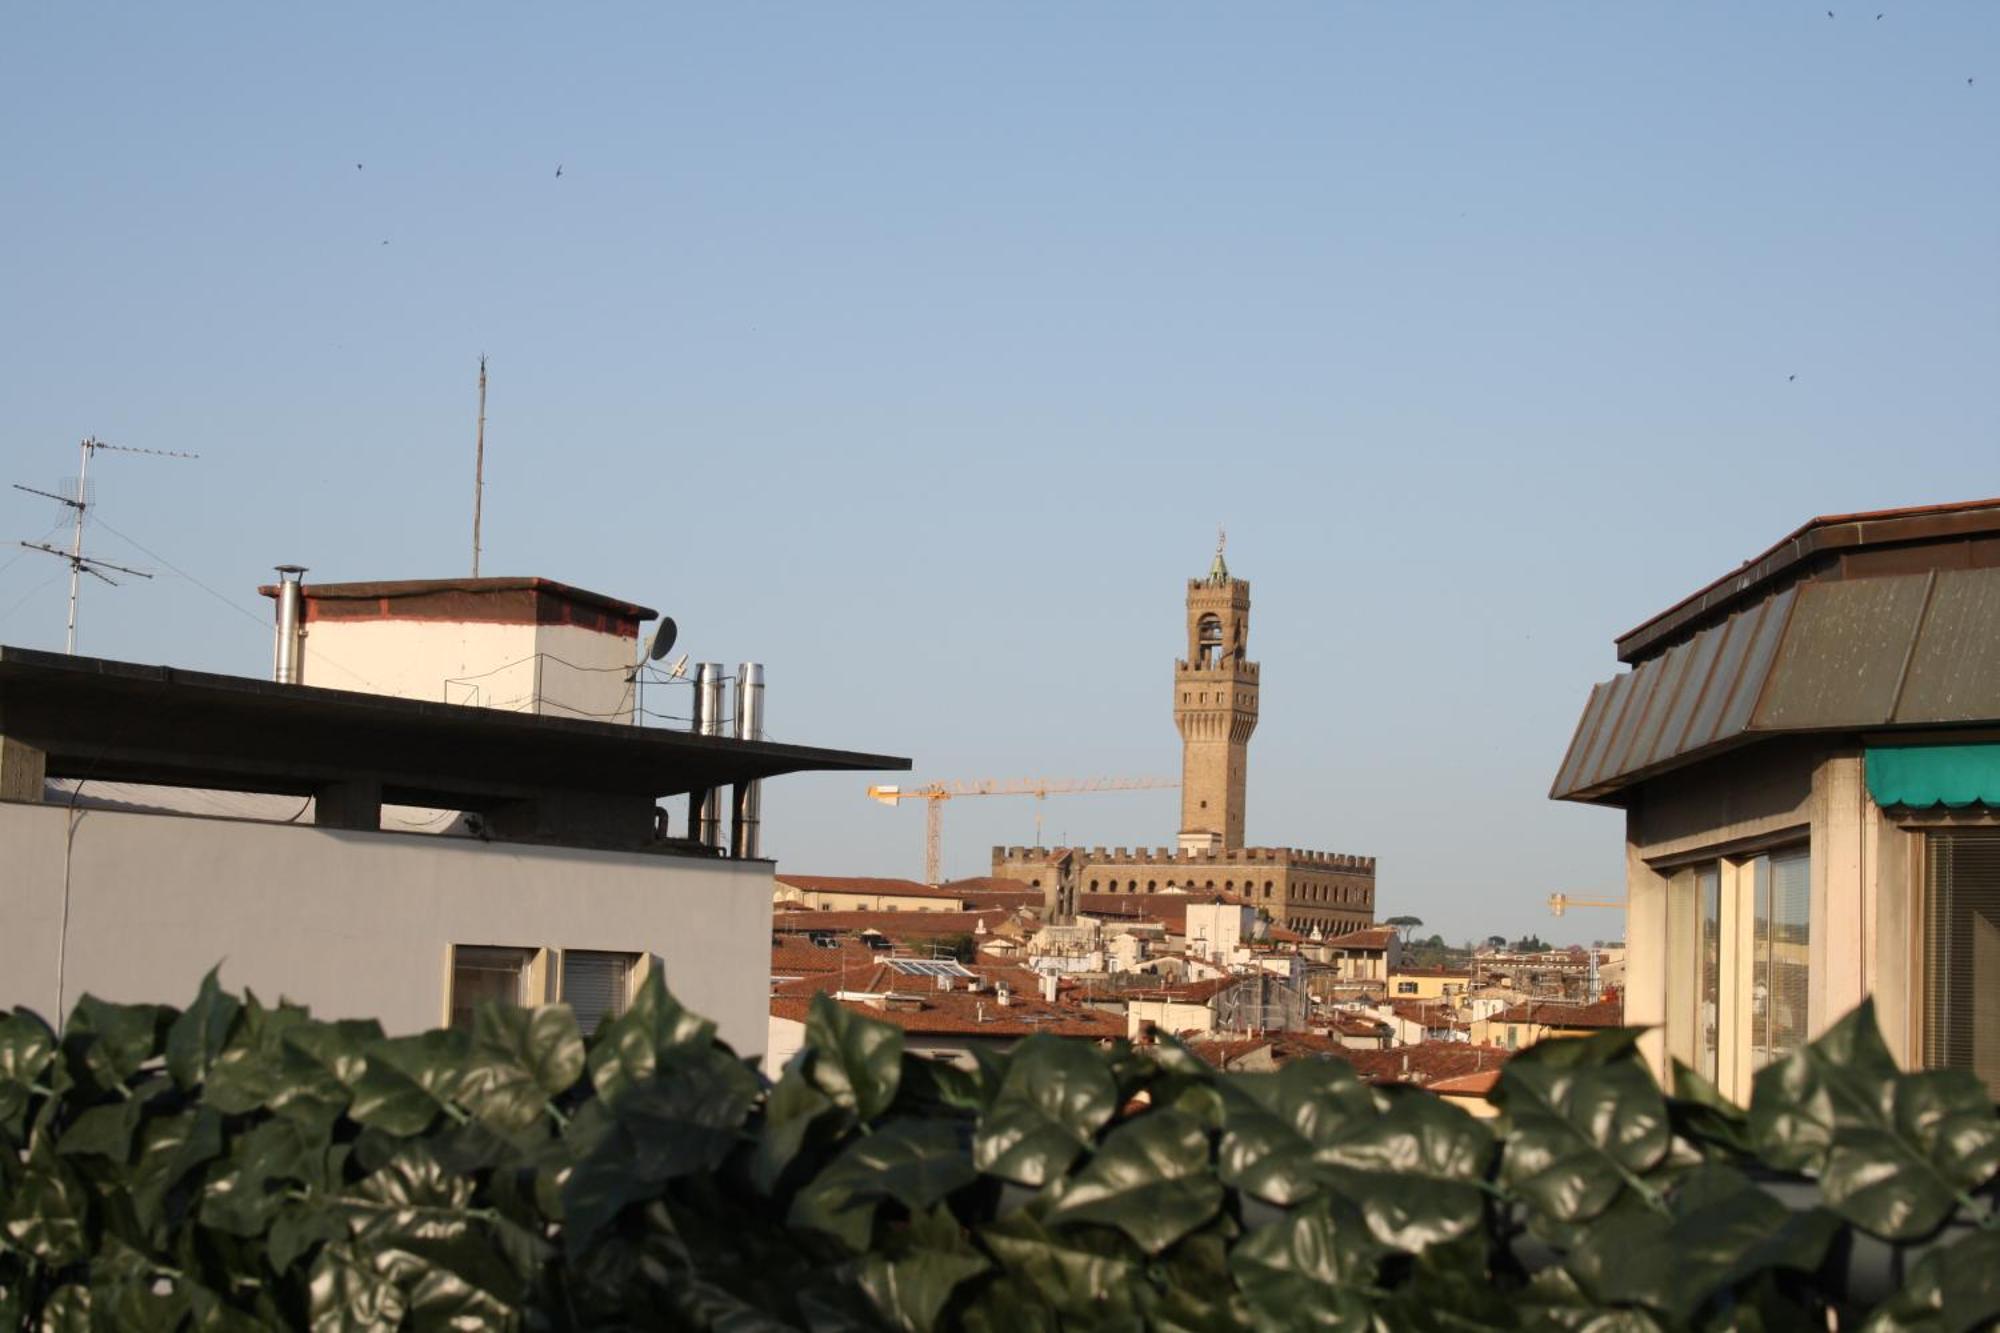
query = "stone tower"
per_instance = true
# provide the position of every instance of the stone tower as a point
(1215, 707)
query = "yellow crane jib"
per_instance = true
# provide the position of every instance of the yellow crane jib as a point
(935, 794)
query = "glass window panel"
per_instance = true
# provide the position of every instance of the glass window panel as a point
(1962, 953)
(482, 975)
(1780, 949)
(1708, 907)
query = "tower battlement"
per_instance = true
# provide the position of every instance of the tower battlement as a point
(1174, 856)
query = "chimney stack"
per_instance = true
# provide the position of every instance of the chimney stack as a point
(705, 807)
(287, 666)
(748, 796)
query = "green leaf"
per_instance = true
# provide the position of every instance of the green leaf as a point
(48, 1213)
(1952, 1289)
(1275, 1122)
(249, 1070)
(346, 1294)
(915, 1162)
(199, 1034)
(1151, 1179)
(169, 1149)
(27, 1049)
(409, 1080)
(791, 1109)
(520, 1058)
(1723, 1232)
(1704, 1116)
(684, 1120)
(108, 1044)
(856, 1061)
(913, 1284)
(1079, 1274)
(626, 1049)
(1580, 1132)
(297, 1227)
(1416, 1172)
(1313, 1269)
(68, 1310)
(1895, 1152)
(1054, 1098)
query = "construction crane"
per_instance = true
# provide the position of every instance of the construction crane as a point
(935, 794)
(1562, 902)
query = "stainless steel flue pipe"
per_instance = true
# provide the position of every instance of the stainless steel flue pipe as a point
(743, 842)
(287, 666)
(705, 807)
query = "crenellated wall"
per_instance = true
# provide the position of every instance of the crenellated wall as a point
(1301, 889)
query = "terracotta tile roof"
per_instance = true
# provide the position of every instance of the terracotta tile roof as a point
(1431, 1013)
(1426, 1065)
(1468, 1085)
(791, 957)
(864, 884)
(1357, 1025)
(961, 1014)
(1227, 1051)
(1186, 992)
(895, 925)
(1371, 937)
(1555, 1014)
(1452, 973)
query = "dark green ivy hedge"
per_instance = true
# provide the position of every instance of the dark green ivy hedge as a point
(238, 1166)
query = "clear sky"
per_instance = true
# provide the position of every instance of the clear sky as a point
(917, 350)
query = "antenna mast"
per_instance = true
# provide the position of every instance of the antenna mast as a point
(479, 467)
(79, 504)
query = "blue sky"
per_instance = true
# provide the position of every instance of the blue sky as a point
(917, 351)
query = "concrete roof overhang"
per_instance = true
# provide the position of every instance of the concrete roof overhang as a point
(122, 721)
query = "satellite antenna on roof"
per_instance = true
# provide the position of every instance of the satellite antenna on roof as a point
(77, 499)
(657, 647)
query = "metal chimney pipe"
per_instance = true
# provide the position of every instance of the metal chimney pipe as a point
(705, 807)
(749, 727)
(287, 666)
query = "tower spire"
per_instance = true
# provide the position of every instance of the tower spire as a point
(1218, 569)
(1215, 707)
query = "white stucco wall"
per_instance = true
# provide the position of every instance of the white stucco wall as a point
(353, 924)
(565, 670)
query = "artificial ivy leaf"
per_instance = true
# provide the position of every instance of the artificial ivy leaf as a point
(108, 1043)
(198, 1035)
(1151, 1179)
(48, 1213)
(297, 1227)
(1893, 1151)
(27, 1048)
(1579, 1132)
(1274, 1122)
(1724, 1231)
(791, 1109)
(912, 1284)
(1952, 1289)
(1705, 1117)
(1310, 1270)
(684, 1120)
(856, 1061)
(103, 1131)
(1416, 1171)
(169, 1148)
(249, 1070)
(626, 1049)
(1055, 1097)
(67, 1311)
(1082, 1276)
(346, 1294)
(915, 1162)
(520, 1058)
(408, 1080)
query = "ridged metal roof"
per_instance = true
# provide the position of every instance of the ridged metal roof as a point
(1911, 650)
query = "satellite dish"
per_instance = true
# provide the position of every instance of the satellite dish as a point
(663, 639)
(679, 668)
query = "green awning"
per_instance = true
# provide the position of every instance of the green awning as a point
(1921, 776)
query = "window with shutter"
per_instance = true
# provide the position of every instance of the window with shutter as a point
(594, 985)
(1961, 1005)
(481, 974)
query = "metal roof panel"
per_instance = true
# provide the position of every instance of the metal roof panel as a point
(1843, 658)
(1954, 673)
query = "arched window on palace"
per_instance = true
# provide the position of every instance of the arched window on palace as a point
(1208, 642)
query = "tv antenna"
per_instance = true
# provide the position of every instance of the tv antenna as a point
(657, 648)
(79, 506)
(479, 466)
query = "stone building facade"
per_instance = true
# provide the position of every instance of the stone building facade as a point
(1215, 710)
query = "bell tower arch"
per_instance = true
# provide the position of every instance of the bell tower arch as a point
(1215, 708)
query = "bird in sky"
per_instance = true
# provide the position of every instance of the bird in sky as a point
(558, 171)
(357, 166)
(1829, 13)
(1788, 378)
